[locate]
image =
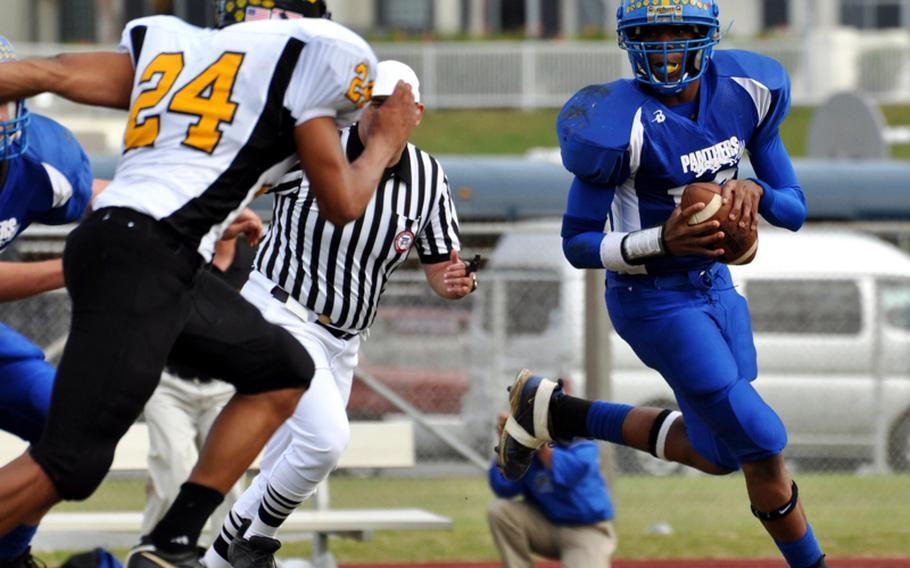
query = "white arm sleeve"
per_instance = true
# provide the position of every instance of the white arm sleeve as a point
(331, 79)
(611, 255)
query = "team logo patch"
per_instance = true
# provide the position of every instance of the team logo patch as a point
(404, 240)
(665, 13)
(254, 14)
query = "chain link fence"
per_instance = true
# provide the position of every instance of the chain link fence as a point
(833, 349)
(834, 361)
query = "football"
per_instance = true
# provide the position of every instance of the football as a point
(739, 244)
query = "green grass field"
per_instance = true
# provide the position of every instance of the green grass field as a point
(514, 132)
(853, 516)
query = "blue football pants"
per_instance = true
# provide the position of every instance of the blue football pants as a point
(694, 328)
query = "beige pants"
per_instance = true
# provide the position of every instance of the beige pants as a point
(179, 416)
(520, 529)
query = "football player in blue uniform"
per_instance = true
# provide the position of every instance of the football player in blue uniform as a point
(44, 177)
(689, 115)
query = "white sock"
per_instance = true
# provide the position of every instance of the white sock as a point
(274, 508)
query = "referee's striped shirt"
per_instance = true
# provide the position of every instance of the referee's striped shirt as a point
(340, 273)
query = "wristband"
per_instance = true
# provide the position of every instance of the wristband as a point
(640, 246)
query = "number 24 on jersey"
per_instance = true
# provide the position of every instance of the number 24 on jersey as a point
(206, 97)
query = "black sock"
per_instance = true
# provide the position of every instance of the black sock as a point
(181, 526)
(569, 416)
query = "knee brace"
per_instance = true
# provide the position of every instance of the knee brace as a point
(780, 512)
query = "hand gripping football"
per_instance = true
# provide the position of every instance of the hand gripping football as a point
(739, 244)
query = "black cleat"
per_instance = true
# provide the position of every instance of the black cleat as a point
(528, 425)
(24, 560)
(254, 552)
(146, 555)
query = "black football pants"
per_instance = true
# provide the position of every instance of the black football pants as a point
(139, 292)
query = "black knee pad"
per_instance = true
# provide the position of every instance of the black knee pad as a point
(782, 511)
(292, 368)
(75, 474)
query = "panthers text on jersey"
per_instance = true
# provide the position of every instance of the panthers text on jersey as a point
(213, 112)
(51, 183)
(632, 156)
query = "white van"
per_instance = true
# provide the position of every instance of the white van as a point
(832, 361)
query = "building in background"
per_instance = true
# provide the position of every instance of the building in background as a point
(839, 45)
(100, 21)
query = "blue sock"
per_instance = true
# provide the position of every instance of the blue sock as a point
(605, 420)
(14, 543)
(802, 553)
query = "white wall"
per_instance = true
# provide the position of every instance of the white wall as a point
(15, 25)
(356, 14)
(447, 16)
(747, 14)
(804, 14)
(817, 14)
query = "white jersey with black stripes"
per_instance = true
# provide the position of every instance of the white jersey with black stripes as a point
(215, 111)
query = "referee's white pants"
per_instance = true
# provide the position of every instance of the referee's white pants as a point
(179, 415)
(306, 448)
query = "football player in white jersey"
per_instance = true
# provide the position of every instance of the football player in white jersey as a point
(215, 115)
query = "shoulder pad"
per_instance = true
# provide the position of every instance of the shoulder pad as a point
(162, 21)
(594, 128)
(739, 63)
(49, 137)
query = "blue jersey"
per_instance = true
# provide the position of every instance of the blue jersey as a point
(50, 184)
(570, 492)
(632, 156)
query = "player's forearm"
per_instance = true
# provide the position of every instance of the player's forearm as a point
(783, 203)
(100, 79)
(587, 208)
(366, 175)
(343, 190)
(583, 250)
(20, 280)
(346, 199)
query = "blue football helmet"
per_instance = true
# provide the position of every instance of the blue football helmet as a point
(634, 16)
(13, 126)
(229, 12)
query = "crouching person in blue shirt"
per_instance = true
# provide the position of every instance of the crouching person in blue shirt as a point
(566, 512)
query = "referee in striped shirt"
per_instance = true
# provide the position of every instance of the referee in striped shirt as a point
(323, 283)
